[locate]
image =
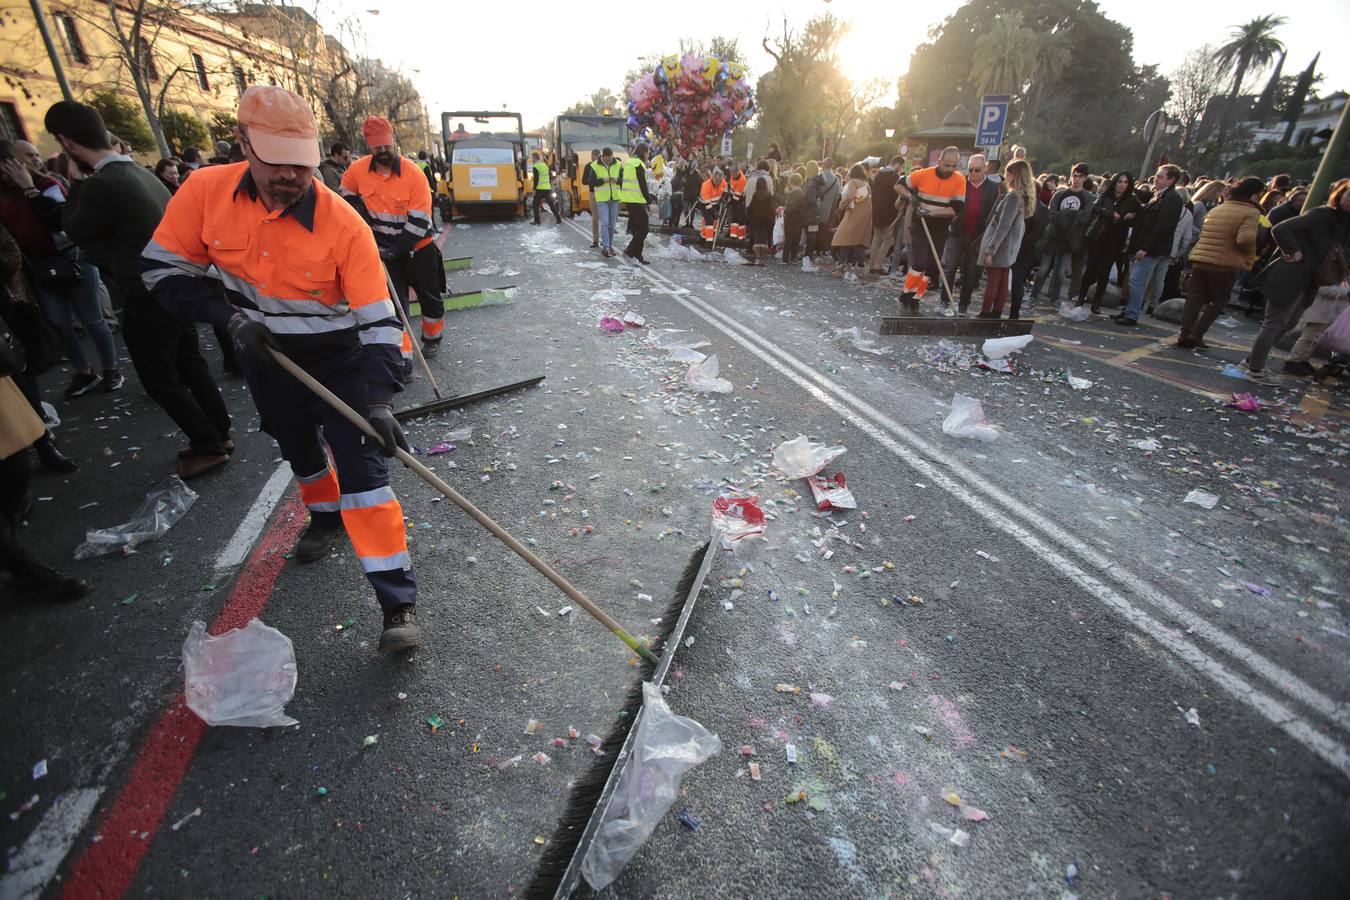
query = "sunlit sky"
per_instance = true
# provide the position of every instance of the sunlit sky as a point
(538, 58)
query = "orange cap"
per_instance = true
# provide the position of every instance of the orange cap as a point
(280, 126)
(379, 132)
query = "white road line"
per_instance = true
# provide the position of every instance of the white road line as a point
(255, 520)
(1269, 707)
(40, 856)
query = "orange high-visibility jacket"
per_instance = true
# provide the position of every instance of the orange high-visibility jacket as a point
(935, 191)
(397, 206)
(738, 184)
(311, 272)
(711, 193)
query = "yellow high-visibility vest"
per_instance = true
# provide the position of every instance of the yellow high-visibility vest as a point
(602, 190)
(629, 189)
(542, 182)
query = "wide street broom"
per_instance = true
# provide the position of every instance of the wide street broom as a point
(560, 865)
(358, 421)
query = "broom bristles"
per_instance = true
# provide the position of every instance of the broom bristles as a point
(589, 788)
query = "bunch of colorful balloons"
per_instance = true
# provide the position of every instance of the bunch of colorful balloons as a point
(692, 100)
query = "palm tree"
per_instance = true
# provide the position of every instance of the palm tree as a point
(1005, 56)
(1251, 47)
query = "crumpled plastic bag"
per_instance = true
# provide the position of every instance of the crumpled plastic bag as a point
(807, 265)
(1074, 313)
(854, 336)
(736, 518)
(831, 492)
(245, 676)
(665, 748)
(702, 377)
(1078, 384)
(733, 257)
(997, 348)
(158, 512)
(611, 325)
(799, 458)
(967, 420)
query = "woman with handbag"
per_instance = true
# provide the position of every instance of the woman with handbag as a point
(1314, 249)
(67, 284)
(854, 232)
(19, 428)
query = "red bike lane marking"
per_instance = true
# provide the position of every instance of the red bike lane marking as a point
(108, 865)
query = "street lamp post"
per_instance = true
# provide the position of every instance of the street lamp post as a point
(59, 69)
(1157, 121)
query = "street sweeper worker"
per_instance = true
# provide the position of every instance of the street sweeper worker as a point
(266, 252)
(392, 195)
(710, 197)
(937, 195)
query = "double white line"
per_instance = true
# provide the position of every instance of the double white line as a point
(1055, 546)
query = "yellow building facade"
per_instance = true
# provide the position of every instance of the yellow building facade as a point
(193, 63)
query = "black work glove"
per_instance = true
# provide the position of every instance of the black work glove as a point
(389, 255)
(381, 418)
(251, 338)
(922, 211)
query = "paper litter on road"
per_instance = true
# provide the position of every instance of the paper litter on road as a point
(1202, 499)
(736, 518)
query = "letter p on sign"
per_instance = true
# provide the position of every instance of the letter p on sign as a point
(992, 121)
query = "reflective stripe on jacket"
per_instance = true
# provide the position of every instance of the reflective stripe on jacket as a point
(397, 206)
(311, 272)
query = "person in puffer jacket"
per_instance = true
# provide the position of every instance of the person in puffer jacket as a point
(1226, 246)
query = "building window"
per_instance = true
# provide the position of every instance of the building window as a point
(200, 65)
(74, 45)
(239, 81)
(148, 67)
(11, 126)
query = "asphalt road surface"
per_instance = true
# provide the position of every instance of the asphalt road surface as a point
(1026, 667)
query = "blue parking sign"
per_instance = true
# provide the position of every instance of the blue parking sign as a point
(993, 119)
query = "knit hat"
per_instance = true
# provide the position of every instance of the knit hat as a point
(379, 132)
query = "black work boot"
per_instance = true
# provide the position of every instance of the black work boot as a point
(401, 631)
(431, 348)
(43, 584)
(322, 531)
(52, 459)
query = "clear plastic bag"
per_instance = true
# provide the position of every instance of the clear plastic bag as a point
(665, 748)
(967, 420)
(702, 377)
(799, 458)
(158, 512)
(779, 231)
(1074, 313)
(997, 348)
(733, 257)
(245, 676)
